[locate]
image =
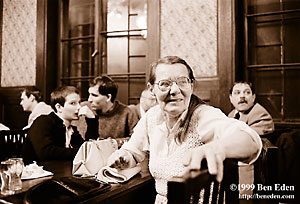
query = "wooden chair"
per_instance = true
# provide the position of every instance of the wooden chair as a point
(11, 142)
(186, 189)
(265, 171)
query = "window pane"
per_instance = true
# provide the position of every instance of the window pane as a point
(267, 81)
(268, 33)
(292, 97)
(138, 11)
(272, 104)
(264, 42)
(81, 18)
(117, 55)
(292, 42)
(122, 94)
(268, 55)
(117, 17)
(291, 4)
(138, 46)
(136, 87)
(77, 53)
(138, 64)
(261, 6)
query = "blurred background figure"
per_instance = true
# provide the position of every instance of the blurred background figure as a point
(31, 101)
(3, 127)
(147, 100)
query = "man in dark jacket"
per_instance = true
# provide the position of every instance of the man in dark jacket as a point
(51, 137)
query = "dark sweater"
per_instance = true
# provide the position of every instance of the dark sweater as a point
(117, 123)
(46, 140)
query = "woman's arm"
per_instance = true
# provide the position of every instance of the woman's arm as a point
(134, 150)
(225, 138)
(240, 146)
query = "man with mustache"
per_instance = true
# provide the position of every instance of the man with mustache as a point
(242, 97)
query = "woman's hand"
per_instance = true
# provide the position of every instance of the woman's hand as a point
(121, 159)
(214, 154)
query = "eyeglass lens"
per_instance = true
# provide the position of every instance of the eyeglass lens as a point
(182, 83)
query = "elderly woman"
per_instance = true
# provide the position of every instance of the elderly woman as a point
(181, 130)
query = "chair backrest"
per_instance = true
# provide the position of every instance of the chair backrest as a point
(199, 184)
(11, 142)
(265, 171)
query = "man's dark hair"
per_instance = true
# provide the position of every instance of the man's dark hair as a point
(33, 91)
(243, 82)
(106, 86)
(59, 95)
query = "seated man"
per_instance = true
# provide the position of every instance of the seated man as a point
(147, 100)
(242, 97)
(104, 116)
(31, 102)
(51, 137)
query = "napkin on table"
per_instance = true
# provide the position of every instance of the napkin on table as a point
(113, 175)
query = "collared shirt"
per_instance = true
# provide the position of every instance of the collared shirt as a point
(257, 117)
(69, 132)
(166, 156)
(142, 111)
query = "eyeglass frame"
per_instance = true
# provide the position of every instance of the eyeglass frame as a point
(189, 81)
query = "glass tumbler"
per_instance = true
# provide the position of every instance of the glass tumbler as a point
(7, 187)
(16, 171)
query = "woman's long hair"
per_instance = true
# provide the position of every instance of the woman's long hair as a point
(195, 102)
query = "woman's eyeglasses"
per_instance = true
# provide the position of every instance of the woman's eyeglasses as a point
(182, 83)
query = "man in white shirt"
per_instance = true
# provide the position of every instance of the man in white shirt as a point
(31, 102)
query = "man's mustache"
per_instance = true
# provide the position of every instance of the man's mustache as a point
(243, 101)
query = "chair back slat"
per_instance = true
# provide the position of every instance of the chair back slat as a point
(188, 189)
(11, 143)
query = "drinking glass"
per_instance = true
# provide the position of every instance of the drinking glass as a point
(6, 181)
(16, 172)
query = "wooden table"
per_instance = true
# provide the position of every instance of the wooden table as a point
(139, 189)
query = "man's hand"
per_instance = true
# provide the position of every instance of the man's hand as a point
(86, 111)
(213, 153)
(121, 159)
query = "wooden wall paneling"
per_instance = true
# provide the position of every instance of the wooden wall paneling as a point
(12, 112)
(205, 87)
(226, 50)
(47, 42)
(153, 33)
